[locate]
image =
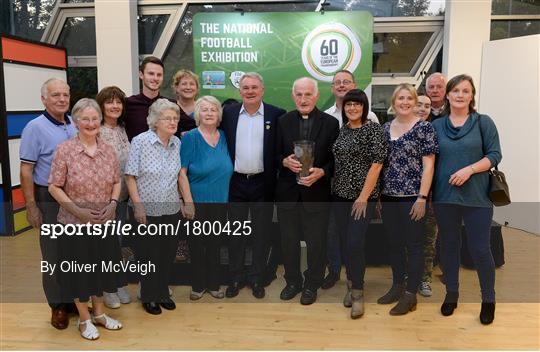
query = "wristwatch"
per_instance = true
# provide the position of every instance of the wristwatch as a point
(421, 196)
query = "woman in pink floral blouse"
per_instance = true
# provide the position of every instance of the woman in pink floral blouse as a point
(85, 180)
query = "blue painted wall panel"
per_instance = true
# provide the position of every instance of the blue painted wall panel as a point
(16, 122)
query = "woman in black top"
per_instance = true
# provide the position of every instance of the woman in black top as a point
(359, 153)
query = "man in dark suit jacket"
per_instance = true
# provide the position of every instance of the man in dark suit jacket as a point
(250, 131)
(303, 205)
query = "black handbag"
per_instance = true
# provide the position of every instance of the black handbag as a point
(499, 193)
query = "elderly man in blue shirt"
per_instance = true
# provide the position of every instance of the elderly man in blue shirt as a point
(38, 143)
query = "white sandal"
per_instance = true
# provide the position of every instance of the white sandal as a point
(110, 323)
(90, 331)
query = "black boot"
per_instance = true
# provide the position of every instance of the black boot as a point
(450, 303)
(487, 313)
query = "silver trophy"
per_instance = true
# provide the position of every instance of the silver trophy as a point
(304, 151)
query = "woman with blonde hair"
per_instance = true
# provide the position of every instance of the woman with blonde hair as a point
(186, 88)
(406, 181)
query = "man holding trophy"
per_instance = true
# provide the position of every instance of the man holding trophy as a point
(304, 140)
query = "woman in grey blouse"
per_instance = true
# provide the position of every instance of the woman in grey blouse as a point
(111, 100)
(469, 147)
(359, 153)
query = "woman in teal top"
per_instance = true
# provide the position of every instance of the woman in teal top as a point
(468, 147)
(207, 167)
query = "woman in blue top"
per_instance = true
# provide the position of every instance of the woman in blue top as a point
(469, 147)
(407, 176)
(206, 170)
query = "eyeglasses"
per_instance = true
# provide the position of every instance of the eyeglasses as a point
(169, 119)
(87, 121)
(353, 104)
(345, 82)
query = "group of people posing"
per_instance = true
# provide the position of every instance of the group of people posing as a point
(146, 159)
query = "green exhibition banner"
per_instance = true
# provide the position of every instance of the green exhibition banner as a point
(281, 47)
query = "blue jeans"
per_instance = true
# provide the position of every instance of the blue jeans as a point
(406, 240)
(478, 226)
(353, 234)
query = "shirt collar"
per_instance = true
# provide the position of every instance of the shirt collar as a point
(438, 111)
(334, 109)
(311, 114)
(79, 147)
(260, 111)
(155, 139)
(55, 121)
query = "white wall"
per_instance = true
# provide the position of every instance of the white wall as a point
(466, 29)
(117, 46)
(510, 95)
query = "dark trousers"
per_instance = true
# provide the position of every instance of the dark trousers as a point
(308, 222)
(204, 249)
(353, 234)
(273, 255)
(406, 240)
(49, 247)
(478, 226)
(335, 248)
(159, 250)
(246, 196)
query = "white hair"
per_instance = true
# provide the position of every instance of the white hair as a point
(83, 104)
(435, 74)
(45, 85)
(306, 79)
(211, 100)
(157, 108)
(252, 75)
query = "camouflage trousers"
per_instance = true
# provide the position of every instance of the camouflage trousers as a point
(429, 245)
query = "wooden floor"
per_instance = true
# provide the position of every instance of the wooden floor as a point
(268, 324)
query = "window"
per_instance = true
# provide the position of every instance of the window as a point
(82, 83)
(150, 29)
(78, 36)
(514, 28)
(389, 8)
(26, 18)
(515, 7)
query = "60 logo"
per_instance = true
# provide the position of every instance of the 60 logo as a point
(329, 48)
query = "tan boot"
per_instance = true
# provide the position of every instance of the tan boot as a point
(347, 300)
(357, 309)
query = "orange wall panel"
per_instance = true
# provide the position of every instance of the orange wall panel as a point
(17, 50)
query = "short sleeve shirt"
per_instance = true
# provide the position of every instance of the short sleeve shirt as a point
(402, 172)
(156, 168)
(209, 169)
(87, 180)
(39, 140)
(355, 150)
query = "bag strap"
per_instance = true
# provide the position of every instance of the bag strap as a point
(482, 136)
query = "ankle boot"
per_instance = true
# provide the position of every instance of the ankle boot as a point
(450, 303)
(347, 300)
(393, 295)
(357, 309)
(406, 304)
(487, 313)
